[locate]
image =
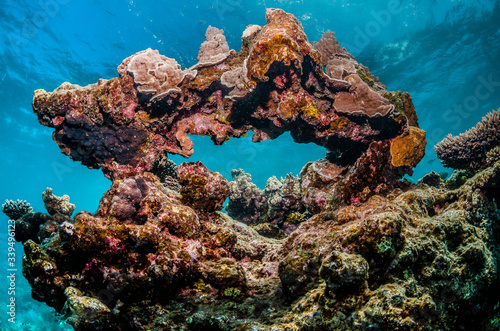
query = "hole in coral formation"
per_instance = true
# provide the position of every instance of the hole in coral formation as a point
(262, 160)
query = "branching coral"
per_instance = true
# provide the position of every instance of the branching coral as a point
(469, 149)
(16, 209)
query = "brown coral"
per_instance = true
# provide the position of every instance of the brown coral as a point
(198, 183)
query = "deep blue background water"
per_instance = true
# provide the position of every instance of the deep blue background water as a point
(442, 52)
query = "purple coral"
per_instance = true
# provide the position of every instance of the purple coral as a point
(468, 150)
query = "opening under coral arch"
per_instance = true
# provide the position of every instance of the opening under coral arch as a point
(262, 160)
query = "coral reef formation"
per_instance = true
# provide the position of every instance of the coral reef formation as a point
(470, 149)
(16, 209)
(423, 258)
(275, 84)
(272, 212)
(344, 246)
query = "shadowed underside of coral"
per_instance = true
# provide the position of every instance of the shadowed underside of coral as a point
(343, 246)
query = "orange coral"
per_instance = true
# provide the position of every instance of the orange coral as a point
(409, 148)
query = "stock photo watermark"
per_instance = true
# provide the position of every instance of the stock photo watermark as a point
(223, 7)
(11, 271)
(454, 117)
(63, 169)
(33, 23)
(371, 29)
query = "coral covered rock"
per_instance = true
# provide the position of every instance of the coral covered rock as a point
(422, 258)
(80, 307)
(275, 84)
(409, 148)
(344, 273)
(431, 179)
(198, 183)
(57, 205)
(274, 211)
(318, 179)
(247, 203)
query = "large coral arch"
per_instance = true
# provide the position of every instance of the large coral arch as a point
(276, 83)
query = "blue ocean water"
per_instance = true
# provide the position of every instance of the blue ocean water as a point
(444, 53)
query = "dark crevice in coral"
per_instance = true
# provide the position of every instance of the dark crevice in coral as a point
(258, 97)
(343, 151)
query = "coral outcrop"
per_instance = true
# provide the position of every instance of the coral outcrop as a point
(272, 212)
(275, 84)
(422, 258)
(469, 150)
(57, 205)
(345, 245)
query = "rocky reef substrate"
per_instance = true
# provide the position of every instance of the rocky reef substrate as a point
(346, 245)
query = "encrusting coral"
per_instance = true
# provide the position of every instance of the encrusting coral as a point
(358, 249)
(469, 149)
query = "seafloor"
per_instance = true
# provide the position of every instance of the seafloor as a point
(347, 245)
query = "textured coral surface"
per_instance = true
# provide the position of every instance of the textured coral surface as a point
(345, 245)
(470, 149)
(275, 84)
(423, 258)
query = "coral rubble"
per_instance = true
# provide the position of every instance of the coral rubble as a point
(344, 246)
